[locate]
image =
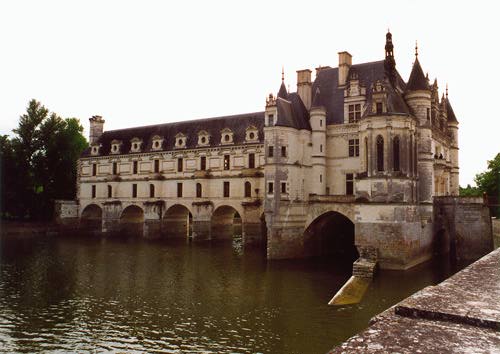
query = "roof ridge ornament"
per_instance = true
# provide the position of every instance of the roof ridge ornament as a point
(446, 90)
(416, 49)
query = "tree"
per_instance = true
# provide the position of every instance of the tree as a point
(40, 163)
(489, 182)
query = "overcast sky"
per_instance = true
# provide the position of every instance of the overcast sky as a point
(148, 62)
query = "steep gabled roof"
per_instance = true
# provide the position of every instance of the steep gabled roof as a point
(282, 91)
(450, 113)
(292, 112)
(236, 123)
(417, 80)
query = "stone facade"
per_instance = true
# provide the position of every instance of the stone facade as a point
(353, 157)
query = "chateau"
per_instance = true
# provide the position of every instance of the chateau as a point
(349, 164)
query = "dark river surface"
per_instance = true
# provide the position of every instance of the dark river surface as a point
(67, 294)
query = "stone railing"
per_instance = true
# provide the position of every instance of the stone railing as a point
(337, 198)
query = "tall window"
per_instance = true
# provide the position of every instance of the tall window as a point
(157, 166)
(410, 168)
(354, 112)
(151, 191)
(110, 191)
(135, 167)
(283, 187)
(353, 147)
(428, 113)
(320, 147)
(270, 187)
(379, 107)
(179, 190)
(134, 190)
(93, 191)
(226, 162)
(180, 164)
(198, 190)
(251, 160)
(283, 151)
(226, 189)
(395, 153)
(248, 190)
(94, 169)
(270, 151)
(203, 163)
(380, 153)
(366, 154)
(115, 168)
(349, 183)
(271, 120)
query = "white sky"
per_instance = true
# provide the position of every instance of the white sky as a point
(148, 62)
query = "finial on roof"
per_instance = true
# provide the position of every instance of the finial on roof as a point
(416, 49)
(282, 73)
(446, 90)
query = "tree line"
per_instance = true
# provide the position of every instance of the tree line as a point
(38, 163)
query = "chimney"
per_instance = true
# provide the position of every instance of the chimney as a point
(345, 62)
(96, 128)
(304, 86)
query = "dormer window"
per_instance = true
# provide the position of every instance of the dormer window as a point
(379, 108)
(226, 136)
(115, 146)
(354, 112)
(252, 134)
(180, 140)
(203, 138)
(270, 120)
(157, 142)
(135, 145)
(94, 150)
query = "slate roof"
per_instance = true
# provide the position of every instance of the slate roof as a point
(332, 97)
(237, 123)
(417, 80)
(450, 113)
(292, 112)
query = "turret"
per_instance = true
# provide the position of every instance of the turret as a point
(452, 124)
(96, 129)
(318, 137)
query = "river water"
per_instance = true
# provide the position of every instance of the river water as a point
(68, 294)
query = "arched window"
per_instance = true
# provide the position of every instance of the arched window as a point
(198, 190)
(151, 190)
(395, 153)
(248, 190)
(380, 153)
(366, 154)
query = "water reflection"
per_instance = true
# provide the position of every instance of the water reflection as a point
(78, 294)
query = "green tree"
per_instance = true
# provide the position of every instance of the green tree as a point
(489, 182)
(470, 191)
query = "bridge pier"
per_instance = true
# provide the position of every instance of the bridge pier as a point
(111, 212)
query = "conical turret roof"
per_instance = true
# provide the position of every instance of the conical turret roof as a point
(282, 91)
(417, 80)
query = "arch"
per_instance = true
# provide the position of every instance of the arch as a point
(331, 234)
(380, 153)
(178, 221)
(132, 220)
(395, 153)
(226, 223)
(91, 218)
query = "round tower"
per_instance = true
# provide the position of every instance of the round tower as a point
(452, 123)
(318, 137)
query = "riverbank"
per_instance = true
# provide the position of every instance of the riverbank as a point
(25, 228)
(459, 315)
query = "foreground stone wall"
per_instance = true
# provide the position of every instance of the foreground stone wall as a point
(496, 232)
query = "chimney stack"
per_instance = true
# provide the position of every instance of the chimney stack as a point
(345, 62)
(304, 86)
(96, 128)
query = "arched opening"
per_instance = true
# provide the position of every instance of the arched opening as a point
(91, 218)
(132, 221)
(331, 235)
(226, 223)
(248, 190)
(177, 222)
(395, 153)
(151, 190)
(380, 153)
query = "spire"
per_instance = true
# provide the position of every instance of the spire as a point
(389, 62)
(282, 74)
(417, 80)
(416, 49)
(446, 90)
(283, 93)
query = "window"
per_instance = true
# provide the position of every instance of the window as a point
(203, 163)
(227, 137)
(380, 153)
(110, 191)
(428, 113)
(270, 187)
(395, 153)
(157, 144)
(320, 147)
(135, 167)
(248, 190)
(283, 187)
(251, 160)
(271, 119)
(151, 191)
(226, 162)
(379, 107)
(226, 189)
(203, 140)
(320, 178)
(94, 169)
(270, 151)
(321, 122)
(93, 191)
(115, 168)
(179, 190)
(157, 166)
(366, 154)
(251, 135)
(179, 164)
(353, 147)
(354, 112)
(134, 190)
(198, 190)
(283, 151)
(349, 184)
